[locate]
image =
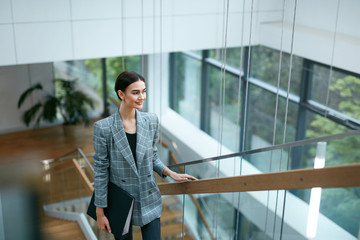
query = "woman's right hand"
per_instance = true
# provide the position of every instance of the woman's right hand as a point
(102, 221)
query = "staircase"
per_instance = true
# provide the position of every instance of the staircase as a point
(65, 192)
(171, 221)
(58, 229)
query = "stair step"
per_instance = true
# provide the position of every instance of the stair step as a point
(137, 235)
(172, 229)
(168, 201)
(171, 214)
(54, 228)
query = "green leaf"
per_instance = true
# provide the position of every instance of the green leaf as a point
(25, 94)
(30, 114)
(49, 109)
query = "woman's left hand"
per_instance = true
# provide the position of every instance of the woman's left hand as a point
(180, 177)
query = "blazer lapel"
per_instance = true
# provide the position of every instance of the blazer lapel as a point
(121, 140)
(142, 136)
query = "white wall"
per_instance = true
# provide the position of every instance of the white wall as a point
(38, 31)
(317, 35)
(52, 30)
(44, 31)
(13, 81)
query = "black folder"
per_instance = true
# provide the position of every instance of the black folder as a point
(119, 210)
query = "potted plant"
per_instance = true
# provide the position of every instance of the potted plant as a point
(69, 102)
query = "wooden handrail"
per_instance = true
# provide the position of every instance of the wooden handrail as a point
(329, 177)
(163, 144)
(83, 176)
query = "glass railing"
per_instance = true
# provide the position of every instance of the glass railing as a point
(298, 212)
(272, 215)
(239, 208)
(61, 182)
(65, 192)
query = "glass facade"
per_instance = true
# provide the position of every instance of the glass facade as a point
(222, 100)
(265, 67)
(237, 108)
(306, 108)
(246, 111)
(90, 74)
(187, 83)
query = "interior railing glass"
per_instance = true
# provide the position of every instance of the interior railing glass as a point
(295, 213)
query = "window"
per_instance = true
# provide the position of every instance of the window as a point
(114, 66)
(230, 107)
(89, 73)
(187, 87)
(88, 76)
(232, 56)
(265, 66)
(217, 108)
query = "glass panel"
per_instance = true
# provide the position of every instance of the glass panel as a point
(342, 205)
(319, 82)
(269, 161)
(258, 215)
(318, 126)
(344, 95)
(88, 80)
(231, 107)
(265, 67)
(86, 163)
(187, 88)
(344, 151)
(232, 56)
(228, 215)
(260, 119)
(62, 183)
(114, 66)
(247, 229)
(172, 215)
(338, 152)
(271, 214)
(64, 191)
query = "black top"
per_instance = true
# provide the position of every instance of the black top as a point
(131, 137)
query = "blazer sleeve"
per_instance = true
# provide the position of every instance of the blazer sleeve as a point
(101, 166)
(158, 165)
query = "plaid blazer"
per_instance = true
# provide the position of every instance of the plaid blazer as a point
(113, 161)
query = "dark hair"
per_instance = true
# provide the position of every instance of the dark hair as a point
(125, 79)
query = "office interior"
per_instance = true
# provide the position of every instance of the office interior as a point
(274, 85)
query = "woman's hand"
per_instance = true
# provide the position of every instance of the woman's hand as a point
(102, 221)
(180, 177)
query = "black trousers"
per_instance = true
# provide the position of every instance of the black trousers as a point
(150, 231)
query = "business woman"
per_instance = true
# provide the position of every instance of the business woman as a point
(126, 155)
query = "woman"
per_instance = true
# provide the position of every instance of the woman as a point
(126, 154)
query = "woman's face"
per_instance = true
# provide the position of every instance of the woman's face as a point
(134, 95)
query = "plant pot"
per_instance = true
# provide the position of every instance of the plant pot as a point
(69, 130)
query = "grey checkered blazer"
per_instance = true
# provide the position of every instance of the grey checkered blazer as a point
(113, 161)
